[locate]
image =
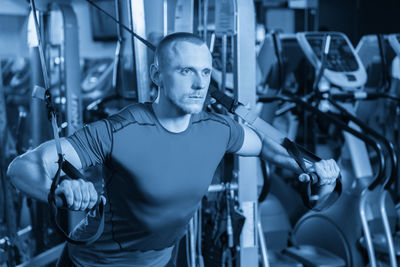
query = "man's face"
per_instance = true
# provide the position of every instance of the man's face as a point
(185, 76)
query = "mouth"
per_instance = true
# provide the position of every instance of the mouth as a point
(196, 96)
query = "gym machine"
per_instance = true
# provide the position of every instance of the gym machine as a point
(277, 73)
(242, 113)
(376, 51)
(110, 85)
(59, 24)
(376, 54)
(244, 91)
(343, 78)
(16, 242)
(64, 60)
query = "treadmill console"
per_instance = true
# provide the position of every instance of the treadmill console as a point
(343, 66)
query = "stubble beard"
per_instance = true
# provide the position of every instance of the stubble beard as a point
(187, 108)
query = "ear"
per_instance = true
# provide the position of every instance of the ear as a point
(155, 74)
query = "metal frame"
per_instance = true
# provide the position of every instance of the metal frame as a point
(138, 25)
(72, 69)
(385, 221)
(245, 92)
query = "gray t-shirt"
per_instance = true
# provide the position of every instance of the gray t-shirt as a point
(154, 179)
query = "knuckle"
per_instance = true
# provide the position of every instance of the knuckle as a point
(77, 197)
(90, 185)
(84, 187)
(66, 193)
(86, 199)
(93, 191)
(65, 183)
(74, 183)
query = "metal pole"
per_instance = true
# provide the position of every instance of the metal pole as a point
(138, 24)
(245, 92)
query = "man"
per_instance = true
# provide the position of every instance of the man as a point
(159, 159)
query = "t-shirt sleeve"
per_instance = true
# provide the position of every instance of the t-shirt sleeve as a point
(236, 136)
(93, 143)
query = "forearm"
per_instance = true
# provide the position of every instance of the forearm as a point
(29, 175)
(277, 155)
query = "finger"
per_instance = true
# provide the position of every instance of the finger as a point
(85, 194)
(333, 170)
(320, 170)
(337, 169)
(65, 189)
(93, 195)
(77, 195)
(332, 166)
(327, 172)
(312, 168)
(304, 178)
(328, 166)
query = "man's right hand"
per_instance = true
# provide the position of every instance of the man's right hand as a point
(79, 194)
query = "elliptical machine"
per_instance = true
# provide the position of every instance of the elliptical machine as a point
(357, 210)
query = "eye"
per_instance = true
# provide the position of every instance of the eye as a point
(186, 71)
(207, 72)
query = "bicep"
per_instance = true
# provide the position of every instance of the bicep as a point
(33, 171)
(252, 144)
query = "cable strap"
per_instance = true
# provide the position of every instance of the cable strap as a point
(312, 193)
(59, 201)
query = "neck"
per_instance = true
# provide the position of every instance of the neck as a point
(171, 117)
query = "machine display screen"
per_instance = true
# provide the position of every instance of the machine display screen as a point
(340, 56)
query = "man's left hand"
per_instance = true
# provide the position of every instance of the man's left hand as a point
(327, 170)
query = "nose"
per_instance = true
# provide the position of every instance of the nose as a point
(199, 82)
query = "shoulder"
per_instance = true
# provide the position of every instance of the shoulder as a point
(137, 113)
(224, 120)
(231, 129)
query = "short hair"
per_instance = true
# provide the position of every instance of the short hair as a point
(170, 39)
